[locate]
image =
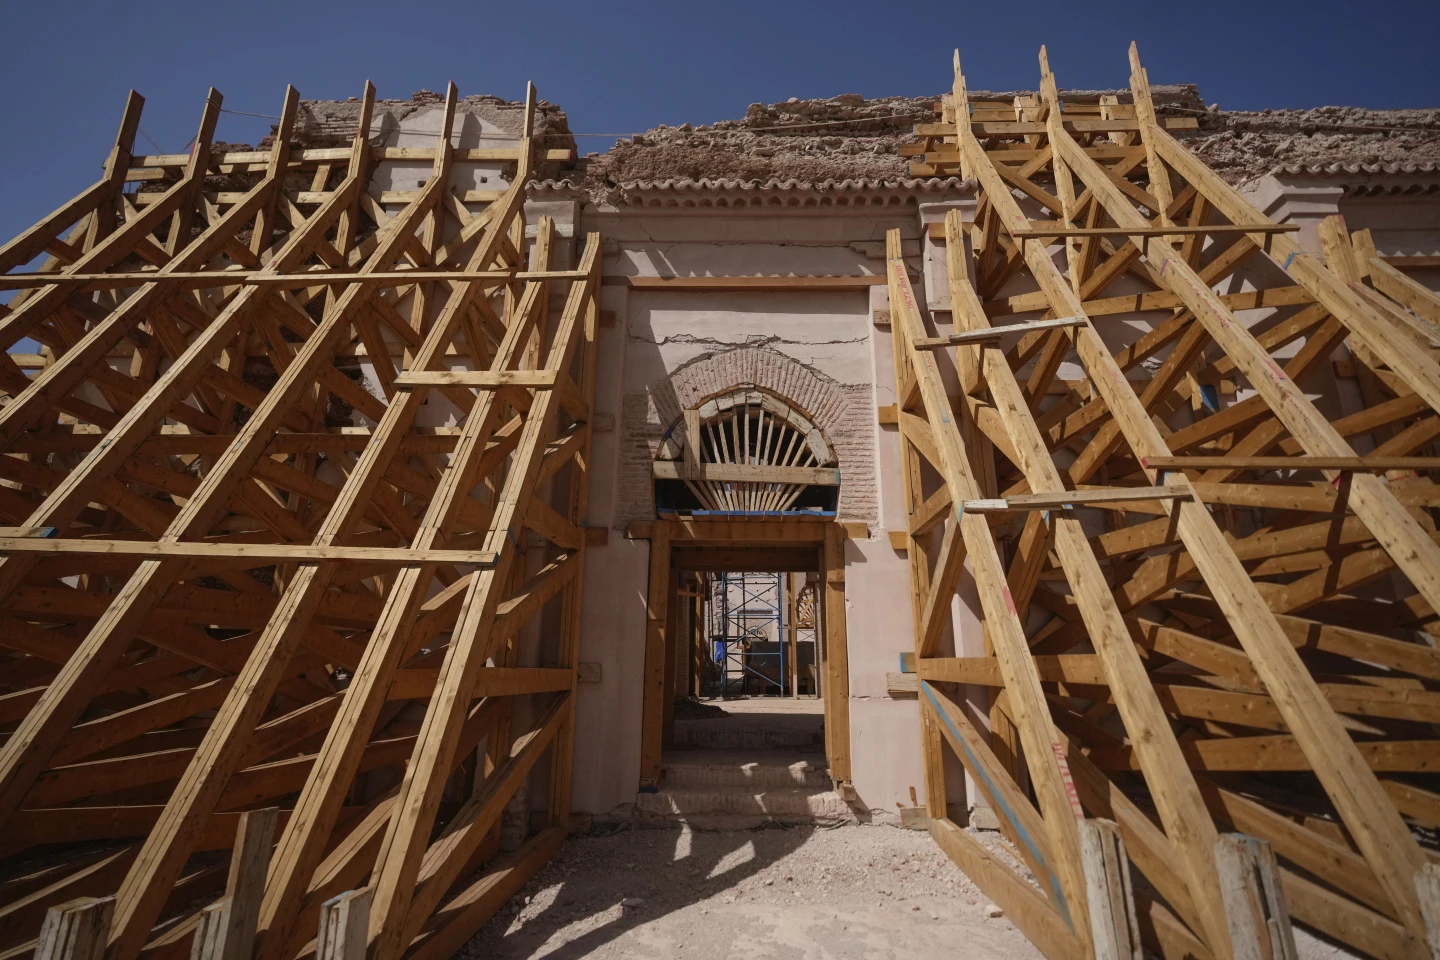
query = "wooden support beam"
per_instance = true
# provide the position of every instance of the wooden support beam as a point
(803, 284)
(1046, 763)
(173, 471)
(1254, 898)
(1384, 838)
(344, 921)
(227, 927)
(1113, 917)
(836, 685)
(75, 930)
(750, 472)
(256, 554)
(1427, 887)
(1077, 498)
(1344, 464)
(993, 334)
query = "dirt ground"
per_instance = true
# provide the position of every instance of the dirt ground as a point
(804, 892)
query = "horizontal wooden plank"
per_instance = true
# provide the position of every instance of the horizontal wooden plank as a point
(410, 196)
(1155, 300)
(1001, 128)
(812, 284)
(707, 530)
(1038, 232)
(749, 472)
(985, 671)
(1354, 464)
(333, 154)
(1073, 498)
(493, 379)
(1281, 753)
(1412, 261)
(345, 440)
(259, 553)
(198, 279)
(993, 334)
(902, 686)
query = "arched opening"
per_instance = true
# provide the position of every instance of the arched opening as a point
(748, 453)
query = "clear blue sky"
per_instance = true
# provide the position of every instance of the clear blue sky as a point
(619, 67)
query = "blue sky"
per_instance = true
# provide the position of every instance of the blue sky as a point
(621, 67)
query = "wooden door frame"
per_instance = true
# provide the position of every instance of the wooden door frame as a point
(828, 540)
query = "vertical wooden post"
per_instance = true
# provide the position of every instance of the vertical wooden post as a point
(1427, 887)
(675, 607)
(1255, 907)
(792, 612)
(227, 926)
(837, 660)
(76, 929)
(691, 468)
(1113, 922)
(653, 712)
(933, 757)
(344, 923)
(697, 636)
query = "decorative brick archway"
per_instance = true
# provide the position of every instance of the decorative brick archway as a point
(843, 412)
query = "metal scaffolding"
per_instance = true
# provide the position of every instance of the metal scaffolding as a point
(743, 607)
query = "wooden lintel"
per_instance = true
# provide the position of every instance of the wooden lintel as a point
(750, 472)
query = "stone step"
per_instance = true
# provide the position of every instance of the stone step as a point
(762, 732)
(745, 770)
(785, 804)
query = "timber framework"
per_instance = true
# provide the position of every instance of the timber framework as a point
(285, 654)
(1184, 665)
(220, 600)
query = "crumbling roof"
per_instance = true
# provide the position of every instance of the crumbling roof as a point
(848, 142)
(839, 139)
(736, 193)
(1241, 145)
(851, 138)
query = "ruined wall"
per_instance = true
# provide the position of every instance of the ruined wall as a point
(850, 137)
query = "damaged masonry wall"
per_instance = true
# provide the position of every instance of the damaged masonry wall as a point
(850, 137)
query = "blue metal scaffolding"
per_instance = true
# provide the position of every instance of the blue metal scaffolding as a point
(743, 608)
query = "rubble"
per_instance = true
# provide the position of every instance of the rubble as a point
(1244, 145)
(850, 137)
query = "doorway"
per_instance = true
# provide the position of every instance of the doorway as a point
(745, 643)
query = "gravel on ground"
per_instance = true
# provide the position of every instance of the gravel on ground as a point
(802, 892)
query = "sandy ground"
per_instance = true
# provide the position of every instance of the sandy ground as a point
(805, 892)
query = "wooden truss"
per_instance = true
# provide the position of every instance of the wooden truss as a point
(249, 585)
(1208, 617)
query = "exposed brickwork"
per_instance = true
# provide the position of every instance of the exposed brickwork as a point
(843, 412)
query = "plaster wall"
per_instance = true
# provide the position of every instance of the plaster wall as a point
(821, 351)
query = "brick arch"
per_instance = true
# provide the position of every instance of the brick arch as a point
(843, 412)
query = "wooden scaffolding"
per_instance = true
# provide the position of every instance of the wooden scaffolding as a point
(280, 646)
(1209, 620)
